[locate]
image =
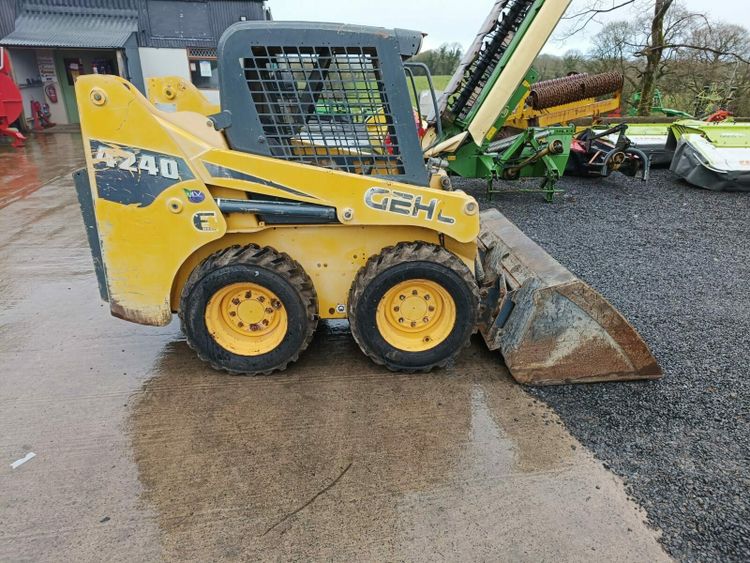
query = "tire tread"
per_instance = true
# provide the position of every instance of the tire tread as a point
(417, 251)
(269, 259)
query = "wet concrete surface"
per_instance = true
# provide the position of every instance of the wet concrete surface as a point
(145, 453)
(45, 157)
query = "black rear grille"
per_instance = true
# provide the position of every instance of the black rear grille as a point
(326, 106)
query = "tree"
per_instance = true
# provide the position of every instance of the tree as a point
(443, 60)
(573, 61)
(704, 79)
(653, 52)
(658, 39)
(549, 66)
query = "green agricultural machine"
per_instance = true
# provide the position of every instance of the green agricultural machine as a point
(470, 138)
(711, 153)
(487, 114)
(657, 106)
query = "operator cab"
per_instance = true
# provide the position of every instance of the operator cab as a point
(328, 95)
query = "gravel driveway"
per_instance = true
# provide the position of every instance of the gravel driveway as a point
(676, 261)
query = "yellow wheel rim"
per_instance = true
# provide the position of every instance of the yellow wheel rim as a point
(416, 315)
(246, 318)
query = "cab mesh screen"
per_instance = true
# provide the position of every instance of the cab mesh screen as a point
(324, 106)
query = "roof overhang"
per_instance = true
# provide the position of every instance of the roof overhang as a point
(77, 30)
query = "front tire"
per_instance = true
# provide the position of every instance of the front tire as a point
(248, 310)
(413, 307)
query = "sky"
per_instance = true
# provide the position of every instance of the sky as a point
(458, 20)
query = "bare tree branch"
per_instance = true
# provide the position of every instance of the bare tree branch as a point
(704, 48)
(599, 10)
(592, 12)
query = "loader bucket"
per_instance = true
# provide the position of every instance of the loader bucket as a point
(549, 325)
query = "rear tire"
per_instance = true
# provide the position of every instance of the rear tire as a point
(248, 310)
(413, 307)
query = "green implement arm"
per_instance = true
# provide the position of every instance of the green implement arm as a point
(493, 77)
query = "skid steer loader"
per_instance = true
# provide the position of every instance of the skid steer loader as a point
(255, 222)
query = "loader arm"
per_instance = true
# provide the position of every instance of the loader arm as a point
(174, 93)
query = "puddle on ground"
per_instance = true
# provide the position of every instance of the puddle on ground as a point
(223, 459)
(45, 156)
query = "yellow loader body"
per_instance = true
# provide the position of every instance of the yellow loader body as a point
(151, 242)
(307, 195)
(174, 93)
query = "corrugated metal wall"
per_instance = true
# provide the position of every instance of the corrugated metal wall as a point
(181, 23)
(97, 7)
(226, 12)
(161, 23)
(7, 16)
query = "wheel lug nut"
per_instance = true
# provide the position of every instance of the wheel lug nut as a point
(402, 297)
(396, 309)
(427, 297)
(254, 327)
(430, 308)
(413, 324)
(248, 295)
(240, 324)
(276, 304)
(426, 339)
(236, 301)
(414, 292)
(261, 298)
(232, 314)
(264, 322)
(426, 320)
(269, 310)
(401, 320)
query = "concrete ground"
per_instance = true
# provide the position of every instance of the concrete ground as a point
(142, 452)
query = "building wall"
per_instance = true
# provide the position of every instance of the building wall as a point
(170, 62)
(180, 23)
(165, 30)
(7, 16)
(163, 62)
(169, 27)
(176, 23)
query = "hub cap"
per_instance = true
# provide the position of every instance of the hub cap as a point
(246, 318)
(416, 315)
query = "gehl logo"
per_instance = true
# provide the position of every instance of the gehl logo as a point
(404, 203)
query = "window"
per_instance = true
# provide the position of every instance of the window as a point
(204, 67)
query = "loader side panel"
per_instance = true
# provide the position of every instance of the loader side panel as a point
(151, 209)
(330, 254)
(83, 190)
(162, 188)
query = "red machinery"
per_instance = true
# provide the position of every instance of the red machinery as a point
(41, 115)
(11, 103)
